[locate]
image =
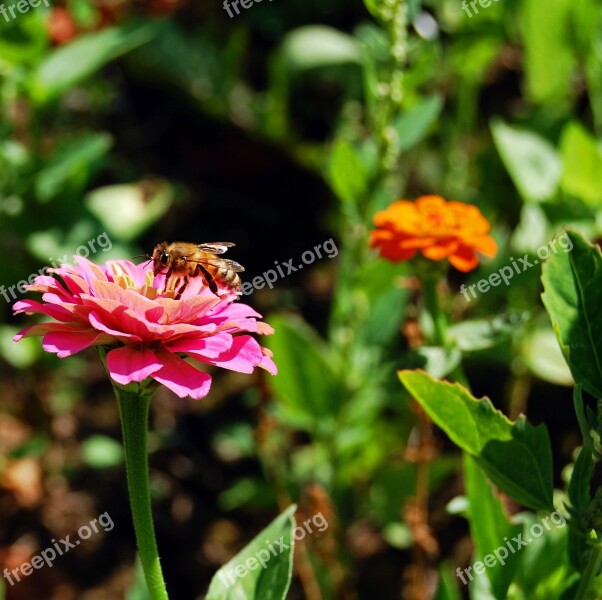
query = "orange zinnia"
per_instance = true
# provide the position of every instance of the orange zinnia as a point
(437, 228)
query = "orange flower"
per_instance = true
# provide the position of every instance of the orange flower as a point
(437, 228)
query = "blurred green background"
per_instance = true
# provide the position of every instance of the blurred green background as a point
(166, 119)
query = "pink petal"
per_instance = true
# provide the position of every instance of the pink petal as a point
(268, 364)
(66, 343)
(181, 378)
(210, 347)
(136, 272)
(127, 364)
(60, 313)
(96, 322)
(244, 355)
(43, 329)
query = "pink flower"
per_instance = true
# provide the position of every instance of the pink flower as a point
(123, 306)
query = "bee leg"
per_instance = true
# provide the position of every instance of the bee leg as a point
(182, 288)
(209, 279)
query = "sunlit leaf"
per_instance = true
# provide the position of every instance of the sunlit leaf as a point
(531, 161)
(516, 456)
(489, 526)
(573, 295)
(582, 157)
(70, 64)
(255, 572)
(414, 124)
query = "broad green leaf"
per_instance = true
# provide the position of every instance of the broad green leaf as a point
(72, 161)
(256, 572)
(414, 124)
(582, 175)
(489, 526)
(315, 46)
(573, 296)
(347, 174)
(549, 58)
(68, 65)
(531, 161)
(129, 209)
(306, 381)
(515, 455)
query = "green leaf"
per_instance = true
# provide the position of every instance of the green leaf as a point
(489, 526)
(128, 210)
(315, 46)
(543, 572)
(306, 382)
(347, 174)
(582, 175)
(531, 161)
(448, 588)
(71, 161)
(436, 361)
(549, 57)
(579, 485)
(474, 335)
(246, 578)
(70, 64)
(544, 358)
(414, 124)
(573, 295)
(515, 455)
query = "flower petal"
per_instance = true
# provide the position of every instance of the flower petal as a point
(209, 347)
(181, 378)
(66, 343)
(128, 363)
(244, 355)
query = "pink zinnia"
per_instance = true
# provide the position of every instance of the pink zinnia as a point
(122, 306)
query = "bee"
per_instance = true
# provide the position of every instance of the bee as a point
(184, 260)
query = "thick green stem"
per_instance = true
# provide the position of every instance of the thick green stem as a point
(590, 573)
(133, 408)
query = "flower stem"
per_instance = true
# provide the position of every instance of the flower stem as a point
(133, 408)
(431, 302)
(590, 572)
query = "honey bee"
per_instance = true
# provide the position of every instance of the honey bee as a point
(184, 261)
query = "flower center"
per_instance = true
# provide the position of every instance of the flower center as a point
(124, 280)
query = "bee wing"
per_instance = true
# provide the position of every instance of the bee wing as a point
(232, 265)
(215, 247)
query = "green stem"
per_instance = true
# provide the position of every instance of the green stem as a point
(431, 302)
(133, 408)
(590, 572)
